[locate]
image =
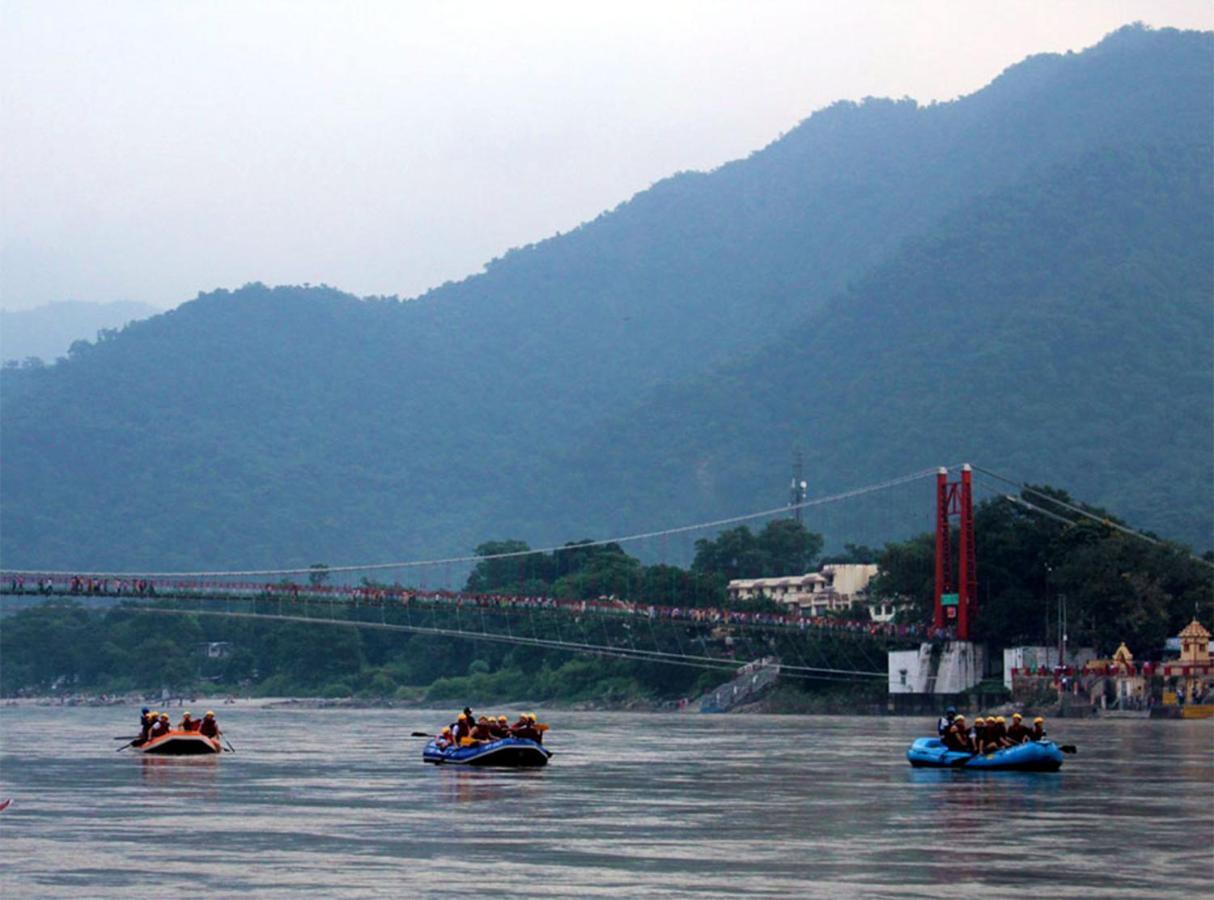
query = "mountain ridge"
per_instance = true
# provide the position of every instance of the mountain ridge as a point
(275, 424)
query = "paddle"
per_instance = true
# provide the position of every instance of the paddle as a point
(124, 738)
(425, 734)
(128, 744)
(1069, 748)
(231, 749)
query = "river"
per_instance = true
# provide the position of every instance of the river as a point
(338, 802)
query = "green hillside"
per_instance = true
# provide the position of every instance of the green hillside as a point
(1059, 328)
(290, 425)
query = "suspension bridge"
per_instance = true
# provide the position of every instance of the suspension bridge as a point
(615, 625)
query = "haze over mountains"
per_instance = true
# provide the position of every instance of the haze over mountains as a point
(1022, 277)
(46, 332)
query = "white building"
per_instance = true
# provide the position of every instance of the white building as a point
(937, 669)
(836, 586)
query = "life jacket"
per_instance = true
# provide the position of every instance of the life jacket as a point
(955, 740)
(208, 728)
(1017, 733)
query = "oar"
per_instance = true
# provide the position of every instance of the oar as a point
(124, 746)
(231, 749)
(1069, 748)
(124, 738)
(420, 734)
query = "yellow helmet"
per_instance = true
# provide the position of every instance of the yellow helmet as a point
(210, 713)
(959, 718)
(1039, 721)
(980, 721)
(1001, 720)
(186, 714)
(501, 718)
(1017, 716)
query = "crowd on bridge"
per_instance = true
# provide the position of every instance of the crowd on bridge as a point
(82, 584)
(404, 596)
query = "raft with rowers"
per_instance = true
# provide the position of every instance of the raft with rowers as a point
(191, 737)
(989, 744)
(489, 741)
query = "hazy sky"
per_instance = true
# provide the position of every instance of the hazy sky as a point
(155, 149)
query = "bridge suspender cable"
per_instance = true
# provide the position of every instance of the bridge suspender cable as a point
(1078, 510)
(411, 564)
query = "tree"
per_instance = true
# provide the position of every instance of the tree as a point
(509, 574)
(783, 547)
(788, 547)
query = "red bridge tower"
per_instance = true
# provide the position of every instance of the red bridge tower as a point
(956, 598)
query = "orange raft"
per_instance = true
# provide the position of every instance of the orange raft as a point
(181, 743)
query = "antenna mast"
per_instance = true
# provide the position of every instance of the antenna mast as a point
(797, 490)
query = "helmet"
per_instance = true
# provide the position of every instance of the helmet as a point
(980, 721)
(145, 710)
(951, 711)
(501, 718)
(209, 713)
(1017, 716)
(960, 718)
(164, 716)
(530, 717)
(1001, 720)
(186, 714)
(1039, 721)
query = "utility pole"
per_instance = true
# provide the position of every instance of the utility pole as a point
(797, 490)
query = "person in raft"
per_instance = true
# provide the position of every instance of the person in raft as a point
(958, 737)
(188, 724)
(525, 728)
(160, 727)
(146, 719)
(1017, 733)
(208, 727)
(945, 722)
(1038, 731)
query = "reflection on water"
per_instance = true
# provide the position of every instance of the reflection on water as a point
(711, 805)
(194, 777)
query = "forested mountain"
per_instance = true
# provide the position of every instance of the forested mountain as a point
(1062, 324)
(46, 332)
(1008, 277)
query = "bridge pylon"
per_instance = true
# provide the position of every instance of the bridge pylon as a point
(956, 597)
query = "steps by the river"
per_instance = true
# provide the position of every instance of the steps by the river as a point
(752, 681)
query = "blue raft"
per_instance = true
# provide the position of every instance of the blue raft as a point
(1034, 756)
(512, 752)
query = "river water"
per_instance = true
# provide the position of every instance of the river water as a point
(338, 802)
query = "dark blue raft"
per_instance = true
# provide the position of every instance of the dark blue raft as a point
(1034, 756)
(513, 752)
